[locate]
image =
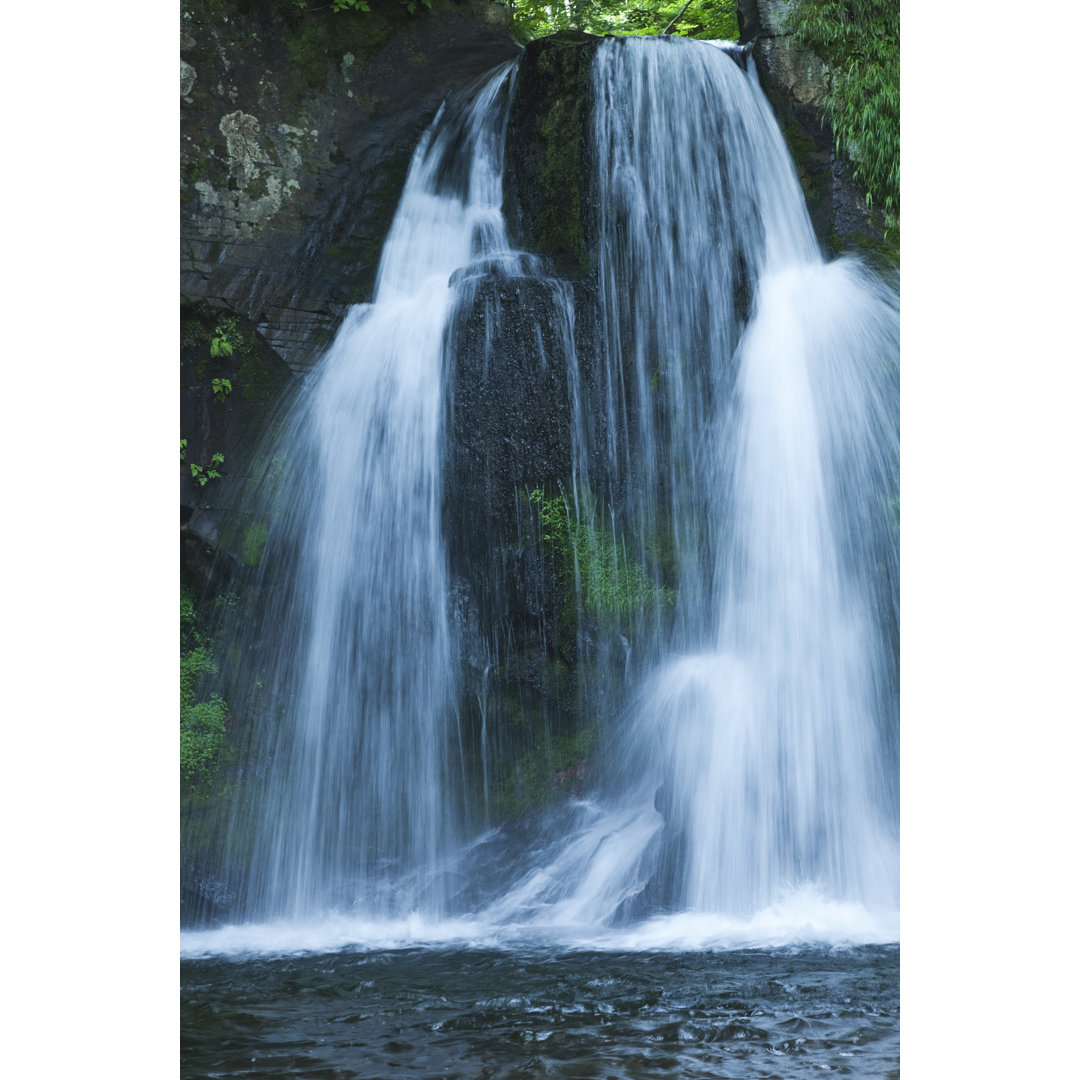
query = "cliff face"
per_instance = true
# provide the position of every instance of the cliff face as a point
(296, 131)
(796, 82)
(297, 128)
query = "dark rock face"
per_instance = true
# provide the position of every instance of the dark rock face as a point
(225, 403)
(549, 205)
(297, 129)
(509, 413)
(796, 82)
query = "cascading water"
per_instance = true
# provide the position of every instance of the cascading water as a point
(357, 804)
(753, 764)
(755, 387)
(765, 725)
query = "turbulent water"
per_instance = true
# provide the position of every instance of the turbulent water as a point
(531, 1013)
(749, 798)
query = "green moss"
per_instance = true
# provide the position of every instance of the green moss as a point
(321, 39)
(202, 736)
(592, 566)
(564, 65)
(560, 223)
(257, 188)
(548, 770)
(880, 252)
(202, 715)
(254, 543)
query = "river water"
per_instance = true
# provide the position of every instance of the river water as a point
(533, 1012)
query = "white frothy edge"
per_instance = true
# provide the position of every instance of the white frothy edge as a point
(802, 918)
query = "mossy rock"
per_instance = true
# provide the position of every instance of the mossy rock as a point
(548, 200)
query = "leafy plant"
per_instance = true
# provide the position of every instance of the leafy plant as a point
(859, 40)
(363, 5)
(202, 722)
(700, 18)
(222, 388)
(203, 476)
(202, 736)
(226, 338)
(610, 583)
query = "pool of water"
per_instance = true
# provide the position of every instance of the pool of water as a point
(483, 1014)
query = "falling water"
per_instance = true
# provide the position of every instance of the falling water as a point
(751, 772)
(357, 805)
(751, 397)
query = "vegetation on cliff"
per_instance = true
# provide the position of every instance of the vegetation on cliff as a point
(202, 715)
(859, 40)
(700, 18)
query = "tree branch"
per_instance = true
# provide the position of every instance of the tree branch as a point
(671, 24)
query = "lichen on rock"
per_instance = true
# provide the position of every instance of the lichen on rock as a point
(187, 78)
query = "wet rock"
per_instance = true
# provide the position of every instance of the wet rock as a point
(796, 82)
(296, 135)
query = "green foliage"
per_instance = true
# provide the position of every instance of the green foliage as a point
(202, 736)
(203, 476)
(608, 582)
(703, 18)
(543, 772)
(363, 5)
(195, 664)
(230, 337)
(202, 717)
(220, 345)
(859, 40)
(187, 616)
(222, 388)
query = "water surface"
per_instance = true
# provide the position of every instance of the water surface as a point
(479, 1013)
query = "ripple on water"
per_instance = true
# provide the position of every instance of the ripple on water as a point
(474, 1013)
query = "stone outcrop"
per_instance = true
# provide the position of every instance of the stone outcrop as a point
(796, 82)
(297, 128)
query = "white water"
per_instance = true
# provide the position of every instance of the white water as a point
(799, 918)
(751, 789)
(356, 794)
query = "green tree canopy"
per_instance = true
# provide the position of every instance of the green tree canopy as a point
(702, 18)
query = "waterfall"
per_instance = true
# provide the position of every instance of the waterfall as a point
(746, 417)
(760, 387)
(356, 805)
